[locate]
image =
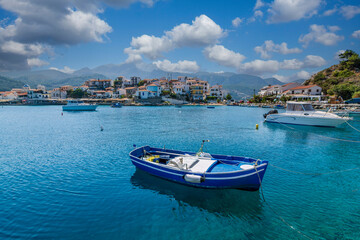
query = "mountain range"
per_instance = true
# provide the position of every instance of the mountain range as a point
(238, 85)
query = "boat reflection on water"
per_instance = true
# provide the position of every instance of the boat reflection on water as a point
(225, 202)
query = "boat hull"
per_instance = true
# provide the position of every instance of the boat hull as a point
(80, 108)
(305, 120)
(244, 179)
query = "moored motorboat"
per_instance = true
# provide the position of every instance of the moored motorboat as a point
(210, 106)
(302, 113)
(77, 105)
(200, 169)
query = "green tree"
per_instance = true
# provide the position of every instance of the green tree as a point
(228, 97)
(78, 93)
(345, 90)
(141, 83)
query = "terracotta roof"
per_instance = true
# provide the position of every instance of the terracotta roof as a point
(287, 84)
(129, 88)
(303, 87)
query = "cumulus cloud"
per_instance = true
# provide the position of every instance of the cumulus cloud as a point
(36, 62)
(259, 4)
(66, 69)
(320, 34)
(202, 32)
(286, 11)
(223, 56)
(330, 12)
(257, 15)
(237, 21)
(42, 23)
(299, 75)
(181, 66)
(349, 11)
(269, 46)
(229, 58)
(356, 34)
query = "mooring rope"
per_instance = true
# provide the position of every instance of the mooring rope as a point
(281, 218)
(338, 139)
(314, 174)
(347, 122)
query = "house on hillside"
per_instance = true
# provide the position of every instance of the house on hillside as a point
(304, 92)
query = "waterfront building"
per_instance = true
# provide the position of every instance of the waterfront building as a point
(196, 92)
(310, 92)
(98, 84)
(216, 91)
(129, 91)
(58, 93)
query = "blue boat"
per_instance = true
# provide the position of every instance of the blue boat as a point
(116, 105)
(200, 169)
(210, 107)
(279, 106)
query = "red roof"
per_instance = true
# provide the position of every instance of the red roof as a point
(303, 87)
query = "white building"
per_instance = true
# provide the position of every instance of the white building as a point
(216, 91)
(305, 90)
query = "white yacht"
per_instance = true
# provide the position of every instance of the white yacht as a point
(77, 105)
(302, 113)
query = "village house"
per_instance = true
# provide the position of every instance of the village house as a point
(58, 93)
(97, 84)
(305, 92)
(216, 91)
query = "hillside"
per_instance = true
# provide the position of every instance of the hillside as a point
(7, 84)
(342, 79)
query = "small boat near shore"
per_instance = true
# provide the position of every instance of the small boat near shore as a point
(77, 105)
(200, 169)
(116, 105)
(302, 113)
(211, 107)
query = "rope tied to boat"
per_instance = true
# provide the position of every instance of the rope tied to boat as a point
(338, 139)
(281, 218)
(314, 174)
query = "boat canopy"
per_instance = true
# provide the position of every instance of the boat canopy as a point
(299, 106)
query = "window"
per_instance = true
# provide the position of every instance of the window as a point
(308, 107)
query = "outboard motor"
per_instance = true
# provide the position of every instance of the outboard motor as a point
(274, 111)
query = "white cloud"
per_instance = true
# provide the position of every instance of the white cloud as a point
(150, 46)
(299, 75)
(181, 66)
(291, 64)
(270, 46)
(259, 67)
(237, 21)
(286, 11)
(257, 15)
(224, 56)
(259, 4)
(330, 12)
(22, 49)
(320, 34)
(228, 58)
(66, 69)
(336, 56)
(202, 32)
(42, 24)
(349, 11)
(356, 34)
(312, 61)
(36, 62)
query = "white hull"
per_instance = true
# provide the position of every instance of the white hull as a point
(297, 119)
(80, 108)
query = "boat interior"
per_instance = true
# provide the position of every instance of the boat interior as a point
(200, 162)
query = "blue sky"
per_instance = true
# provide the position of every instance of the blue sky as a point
(287, 39)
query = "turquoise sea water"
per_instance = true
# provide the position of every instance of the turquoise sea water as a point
(63, 178)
